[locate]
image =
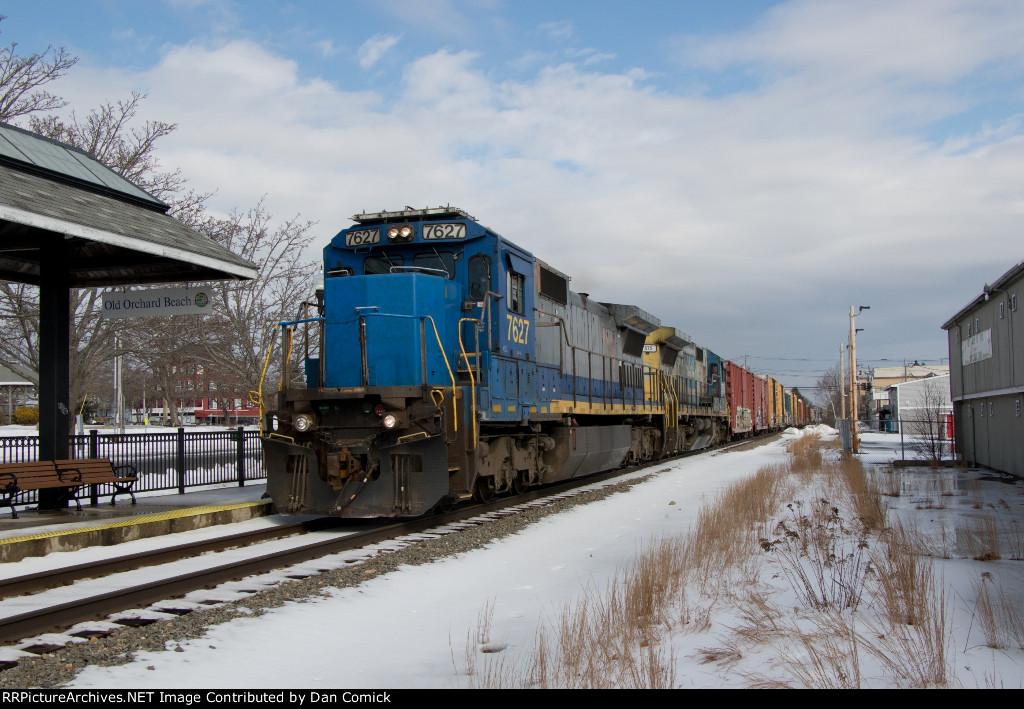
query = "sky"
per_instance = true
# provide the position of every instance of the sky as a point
(416, 626)
(745, 171)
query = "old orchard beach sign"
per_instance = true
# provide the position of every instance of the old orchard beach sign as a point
(156, 301)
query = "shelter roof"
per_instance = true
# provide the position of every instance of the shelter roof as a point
(9, 378)
(115, 233)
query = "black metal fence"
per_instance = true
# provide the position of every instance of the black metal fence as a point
(174, 460)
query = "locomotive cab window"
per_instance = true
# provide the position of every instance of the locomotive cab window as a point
(516, 292)
(441, 264)
(479, 276)
(376, 265)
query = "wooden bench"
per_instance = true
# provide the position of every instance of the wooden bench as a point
(75, 475)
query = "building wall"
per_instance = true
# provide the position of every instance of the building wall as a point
(986, 355)
(921, 399)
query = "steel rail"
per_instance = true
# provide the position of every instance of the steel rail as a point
(42, 580)
(54, 618)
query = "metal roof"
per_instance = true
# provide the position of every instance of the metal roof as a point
(65, 163)
(110, 241)
(114, 232)
(9, 378)
(1000, 282)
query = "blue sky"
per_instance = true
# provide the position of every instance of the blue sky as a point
(744, 170)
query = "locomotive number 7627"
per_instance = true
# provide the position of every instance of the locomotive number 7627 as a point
(518, 329)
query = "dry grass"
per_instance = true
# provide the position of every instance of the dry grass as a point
(890, 483)
(825, 566)
(904, 580)
(828, 659)
(1000, 623)
(867, 594)
(612, 639)
(981, 539)
(865, 498)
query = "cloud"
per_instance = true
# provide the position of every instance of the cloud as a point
(327, 48)
(750, 219)
(374, 48)
(560, 30)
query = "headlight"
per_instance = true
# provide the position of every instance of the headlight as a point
(389, 421)
(302, 423)
(400, 232)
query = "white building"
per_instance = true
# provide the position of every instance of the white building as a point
(920, 403)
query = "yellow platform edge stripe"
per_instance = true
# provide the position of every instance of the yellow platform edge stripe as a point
(139, 519)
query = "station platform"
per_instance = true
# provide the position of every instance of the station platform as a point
(38, 533)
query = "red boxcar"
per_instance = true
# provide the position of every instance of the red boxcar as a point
(739, 390)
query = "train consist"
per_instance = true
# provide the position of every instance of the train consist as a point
(454, 364)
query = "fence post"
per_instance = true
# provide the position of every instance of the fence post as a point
(94, 452)
(240, 461)
(903, 452)
(181, 460)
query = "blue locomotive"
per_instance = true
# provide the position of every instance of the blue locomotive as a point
(454, 364)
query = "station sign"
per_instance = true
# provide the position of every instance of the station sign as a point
(156, 302)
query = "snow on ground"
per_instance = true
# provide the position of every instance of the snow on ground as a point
(410, 628)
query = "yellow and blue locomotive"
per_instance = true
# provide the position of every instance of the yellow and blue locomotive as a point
(454, 364)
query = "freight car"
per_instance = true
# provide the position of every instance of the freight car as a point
(454, 364)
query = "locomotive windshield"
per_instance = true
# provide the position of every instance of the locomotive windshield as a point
(435, 263)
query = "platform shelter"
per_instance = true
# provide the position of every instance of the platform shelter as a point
(67, 221)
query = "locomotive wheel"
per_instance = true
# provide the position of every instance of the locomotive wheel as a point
(520, 484)
(483, 489)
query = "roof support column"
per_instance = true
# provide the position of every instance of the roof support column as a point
(54, 358)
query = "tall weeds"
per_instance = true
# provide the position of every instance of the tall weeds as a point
(865, 594)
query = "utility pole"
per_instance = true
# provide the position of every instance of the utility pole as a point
(842, 378)
(853, 381)
(853, 377)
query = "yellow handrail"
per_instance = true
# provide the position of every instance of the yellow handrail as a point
(455, 411)
(472, 379)
(258, 399)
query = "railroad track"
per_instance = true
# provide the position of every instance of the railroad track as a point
(16, 626)
(52, 618)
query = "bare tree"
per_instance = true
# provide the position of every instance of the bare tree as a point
(234, 339)
(925, 421)
(22, 76)
(830, 395)
(247, 313)
(108, 135)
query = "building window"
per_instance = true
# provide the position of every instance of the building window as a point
(1013, 301)
(1018, 407)
(969, 329)
(1002, 310)
(991, 409)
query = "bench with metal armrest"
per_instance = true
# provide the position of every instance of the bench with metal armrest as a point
(75, 475)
